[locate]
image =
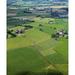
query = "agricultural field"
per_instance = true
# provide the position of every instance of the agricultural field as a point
(35, 50)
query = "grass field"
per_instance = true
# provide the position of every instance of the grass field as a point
(36, 51)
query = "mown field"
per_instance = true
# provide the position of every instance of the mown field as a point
(36, 50)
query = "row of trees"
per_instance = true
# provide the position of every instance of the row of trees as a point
(9, 32)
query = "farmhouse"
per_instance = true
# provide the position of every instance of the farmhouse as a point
(61, 32)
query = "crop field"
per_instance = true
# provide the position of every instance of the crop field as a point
(35, 50)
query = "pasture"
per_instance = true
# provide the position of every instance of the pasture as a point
(36, 50)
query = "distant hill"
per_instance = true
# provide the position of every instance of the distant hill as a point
(10, 1)
(47, 0)
(34, 1)
(60, 0)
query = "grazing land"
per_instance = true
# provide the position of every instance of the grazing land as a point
(37, 37)
(35, 49)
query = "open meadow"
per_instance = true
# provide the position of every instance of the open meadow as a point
(37, 49)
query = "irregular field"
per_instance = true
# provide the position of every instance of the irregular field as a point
(36, 50)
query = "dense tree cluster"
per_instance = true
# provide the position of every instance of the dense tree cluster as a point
(9, 32)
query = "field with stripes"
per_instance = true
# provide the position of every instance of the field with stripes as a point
(36, 50)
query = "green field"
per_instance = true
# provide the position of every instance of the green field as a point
(36, 50)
